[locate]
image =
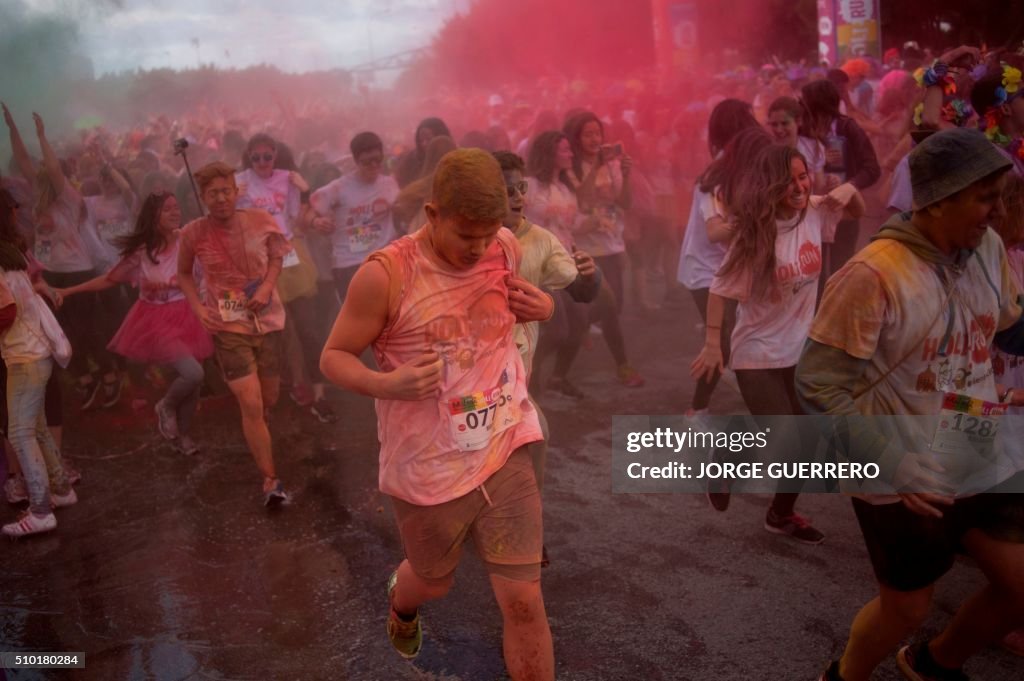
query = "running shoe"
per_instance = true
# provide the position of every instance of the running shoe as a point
(64, 500)
(186, 445)
(832, 673)
(796, 526)
(28, 524)
(718, 494)
(562, 385)
(166, 420)
(276, 497)
(323, 411)
(112, 392)
(16, 490)
(406, 636)
(915, 662)
(89, 394)
(629, 377)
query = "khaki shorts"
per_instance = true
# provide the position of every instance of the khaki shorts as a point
(240, 354)
(508, 531)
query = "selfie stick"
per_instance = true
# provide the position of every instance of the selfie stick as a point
(180, 145)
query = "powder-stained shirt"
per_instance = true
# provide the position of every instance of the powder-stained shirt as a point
(234, 259)
(923, 337)
(547, 265)
(554, 206)
(59, 244)
(771, 329)
(276, 195)
(362, 216)
(441, 448)
(157, 281)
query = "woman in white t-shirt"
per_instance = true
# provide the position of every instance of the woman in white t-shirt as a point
(771, 269)
(552, 204)
(600, 177)
(28, 354)
(707, 233)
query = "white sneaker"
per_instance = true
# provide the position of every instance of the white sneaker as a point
(30, 524)
(15, 489)
(62, 500)
(166, 421)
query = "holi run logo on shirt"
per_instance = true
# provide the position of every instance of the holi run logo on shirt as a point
(458, 337)
(941, 374)
(363, 228)
(273, 204)
(799, 273)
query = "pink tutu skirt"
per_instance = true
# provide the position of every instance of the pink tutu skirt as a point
(160, 334)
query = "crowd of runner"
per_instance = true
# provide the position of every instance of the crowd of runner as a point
(476, 266)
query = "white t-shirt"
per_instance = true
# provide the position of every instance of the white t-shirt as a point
(362, 216)
(276, 195)
(813, 152)
(901, 198)
(24, 341)
(554, 206)
(107, 220)
(59, 244)
(770, 331)
(157, 281)
(700, 257)
(607, 239)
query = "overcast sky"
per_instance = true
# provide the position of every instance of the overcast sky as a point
(294, 35)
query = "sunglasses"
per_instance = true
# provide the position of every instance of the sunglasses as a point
(370, 161)
(266, 158)
(520, 187)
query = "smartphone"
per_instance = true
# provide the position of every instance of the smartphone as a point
(611, 152)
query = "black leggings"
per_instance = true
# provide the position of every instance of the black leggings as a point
(772, 392)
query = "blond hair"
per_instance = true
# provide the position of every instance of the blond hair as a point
(469, 183)
(210, 172)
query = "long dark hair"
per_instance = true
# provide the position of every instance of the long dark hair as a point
(821, 104)
(8, 221)
(756, 213)
(727, 118)
(147, 232)
(259, 139)
(726, 173)
(574, 131)
(540, 162)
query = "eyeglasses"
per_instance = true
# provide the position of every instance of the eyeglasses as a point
(370, 161)
(520, 187)
(266, 158)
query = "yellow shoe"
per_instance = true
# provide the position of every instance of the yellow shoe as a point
(406, 637)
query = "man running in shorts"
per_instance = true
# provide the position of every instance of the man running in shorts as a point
(241, 252)
(439, 308)
(904, 329)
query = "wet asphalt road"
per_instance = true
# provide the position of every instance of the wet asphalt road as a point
(170, 569)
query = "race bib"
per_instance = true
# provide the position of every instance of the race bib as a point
(361, 239)
(479, 417)
(232, 306)
(44, 249)
(290, 260)
(967, 426)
